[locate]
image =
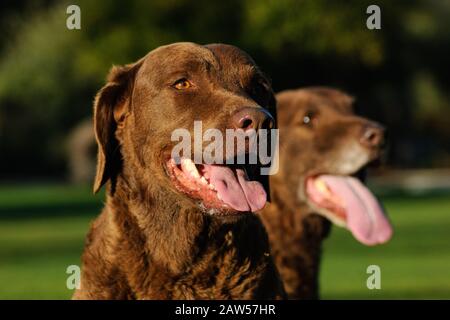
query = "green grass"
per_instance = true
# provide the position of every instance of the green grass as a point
(42, 230)
(415, 264)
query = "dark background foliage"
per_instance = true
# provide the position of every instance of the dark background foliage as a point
(399, 74)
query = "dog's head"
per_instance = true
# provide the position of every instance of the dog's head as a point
(184, 87)
(323, 148)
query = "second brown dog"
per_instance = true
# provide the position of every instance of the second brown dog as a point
(323, 145)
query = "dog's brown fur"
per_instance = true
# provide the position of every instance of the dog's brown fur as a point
(151, 241)
(324, 145)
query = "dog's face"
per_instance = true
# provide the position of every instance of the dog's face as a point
(143, 104)
(323, 146)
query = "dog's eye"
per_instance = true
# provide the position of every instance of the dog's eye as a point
(182, 84)
(306, 119)
(309, 118)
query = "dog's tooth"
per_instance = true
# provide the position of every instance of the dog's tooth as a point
(195, 173)
(321, 186)
(203, 181)
(189, 166)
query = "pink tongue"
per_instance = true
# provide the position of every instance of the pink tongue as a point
(240, 194)
(365, 217)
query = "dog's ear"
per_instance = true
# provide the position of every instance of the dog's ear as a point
(345, 102)
(341, 100)
(111, 106)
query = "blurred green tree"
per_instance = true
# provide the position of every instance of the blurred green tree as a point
(49, 75)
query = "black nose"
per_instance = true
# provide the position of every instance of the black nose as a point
(373, 135)
(252, 118)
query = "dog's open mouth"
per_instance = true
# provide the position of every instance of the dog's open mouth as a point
(222, 188)
(346, 201)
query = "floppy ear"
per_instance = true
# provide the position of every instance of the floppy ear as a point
(111, 106)
(343, 101)
(346, 102)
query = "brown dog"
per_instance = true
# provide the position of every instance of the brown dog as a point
(322, 145)
(177, 230)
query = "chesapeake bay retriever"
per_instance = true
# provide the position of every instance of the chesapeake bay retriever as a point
(178, 230)
(322, 146)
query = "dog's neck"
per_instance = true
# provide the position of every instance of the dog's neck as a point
(170, 232)
(177, 241)
(296, 236)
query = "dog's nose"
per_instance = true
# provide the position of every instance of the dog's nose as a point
(252, 118)
(373, 135)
